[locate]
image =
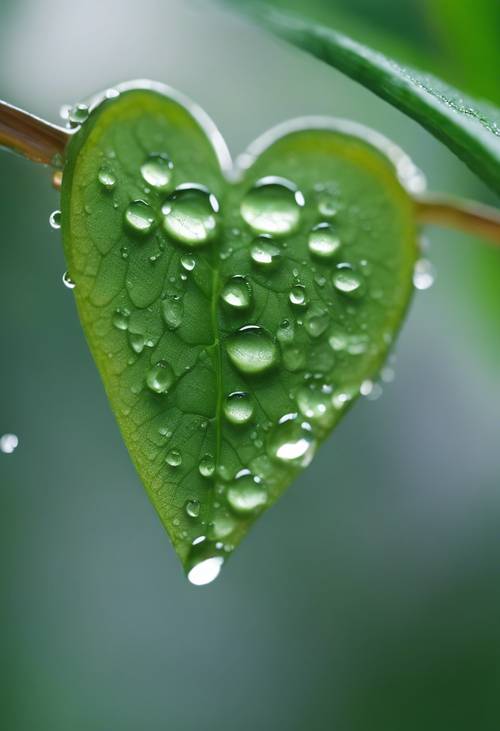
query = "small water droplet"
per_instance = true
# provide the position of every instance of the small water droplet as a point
(78, 114)
(252, 350)
(315, 404)
(106, 178)
(174, 458)
(190, 215)
(222, 526)
(349, 282)
(292, 441)
(238, 407)
(206, 466)
(273, 206)
(328, 205)
(188, 262)
(67, 281)
(193, 508)
(120, 318)
(371, 390)
(160, 377)
(265, 253)
(298, 296)
(173, 311)
(424, 274)
(237, 293)
(9, 443)
(157, 171)
(316, 322)
(139, 217)
(55, 220)
(246, 493)
(323, 242)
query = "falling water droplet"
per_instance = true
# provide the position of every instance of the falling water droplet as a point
(246, 493)
(237, 293)
(424, 274)
(292, 441)
(252, 350)
(273, 206)
(9, 443)
(157, 171)
(323, 242)
(190, 215)
(238, 407)
(139, 217)
(160, 377)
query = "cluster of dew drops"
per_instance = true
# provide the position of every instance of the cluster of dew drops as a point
(272, 210)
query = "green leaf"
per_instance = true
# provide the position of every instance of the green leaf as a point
(232, 328)
(470, 128)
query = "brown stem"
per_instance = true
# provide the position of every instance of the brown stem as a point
(30, 136)
(460, 214)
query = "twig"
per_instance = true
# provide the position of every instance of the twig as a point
(32, 137)
(463, 215)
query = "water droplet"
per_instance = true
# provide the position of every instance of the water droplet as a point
(8, 443)
(252, 350)
(106, 178)
(120, 319)
(273, 206)
(222, 526)
(160, 377)
(246, 493)
(294, 358)
(190, 215)
(193, 508)
(55, 219)
(206, 571)
(298, 296)
(78, 114)
(424, 274)
(173, 311)
(292, 441)
(206, 466)
(67, 281)
(238, 407)
(316, 322)
(323, 242)
(328, 205)
(237, 293)
(349, 282)
(188, 262)
(315, 404)
(140, 217)
(157, 171)
(264, 253)
(174, 458)
(137, 342)
(371, 390)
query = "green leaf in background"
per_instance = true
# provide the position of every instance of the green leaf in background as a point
(233, 314)
(470, 128)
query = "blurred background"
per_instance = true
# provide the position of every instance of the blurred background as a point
(369, 598)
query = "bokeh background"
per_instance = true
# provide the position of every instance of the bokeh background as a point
(369, 597)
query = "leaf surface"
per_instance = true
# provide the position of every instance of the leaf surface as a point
(470, 128)
(232, 321)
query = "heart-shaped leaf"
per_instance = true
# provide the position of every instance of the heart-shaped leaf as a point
(233, 314)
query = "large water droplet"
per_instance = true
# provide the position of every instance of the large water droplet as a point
(160, 377)
(323, 242)
(265, 253)
(237, 293)
(205, 571)
(173, 311)
(174, 458)
(246, 493)
(157, 171)
(140, 217)
(292, 441)
(55, 219)
(349, 282)
(206, 466)
(273, 206)
(238, 407)
(252, 350)
(190, 215)
(423, 274)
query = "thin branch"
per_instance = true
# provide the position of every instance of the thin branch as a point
(475, 218)
(32, 137)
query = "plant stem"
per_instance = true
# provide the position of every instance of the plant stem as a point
(32, 137)
(475, 218)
